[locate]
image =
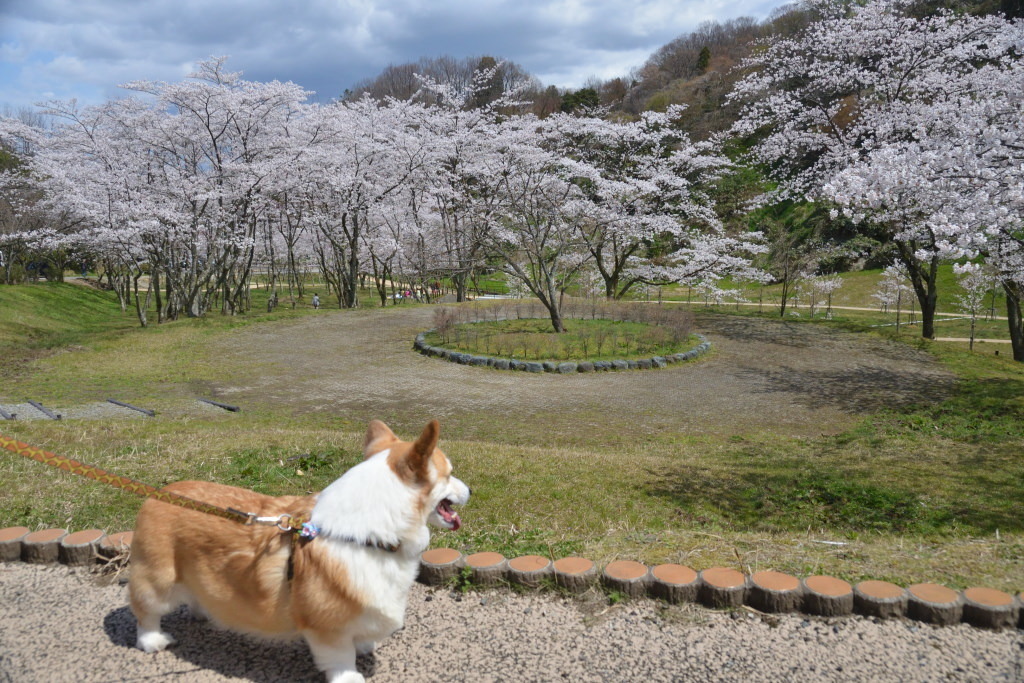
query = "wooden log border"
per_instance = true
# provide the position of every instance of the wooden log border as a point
(718, 587)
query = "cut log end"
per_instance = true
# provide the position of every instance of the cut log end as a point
(10, 543)
(880, 599)
(827, 596)
(934, 604)
(574, 574)
(42, 547)
(990, 608)
(487, 569)
(626, 577)
(674, 583)
(80, 548)
(722, 588)
(529, 571)
(775, 592)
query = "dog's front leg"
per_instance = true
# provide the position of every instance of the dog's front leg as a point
(337, 659)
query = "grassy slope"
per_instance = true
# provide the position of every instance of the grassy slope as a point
(54, 315)
(919, 494)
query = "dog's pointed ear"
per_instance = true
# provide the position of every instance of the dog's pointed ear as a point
(424, 447)
(378, 437)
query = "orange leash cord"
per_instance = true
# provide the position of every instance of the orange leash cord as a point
(284, 522)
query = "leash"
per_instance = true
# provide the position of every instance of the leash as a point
(292, 523)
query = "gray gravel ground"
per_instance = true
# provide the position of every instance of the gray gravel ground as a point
(57, 624)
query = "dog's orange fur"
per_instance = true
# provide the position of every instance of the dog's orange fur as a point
(238, 573)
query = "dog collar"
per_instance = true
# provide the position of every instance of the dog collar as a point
(310, 531)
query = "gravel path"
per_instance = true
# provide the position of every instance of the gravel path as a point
(56, 625)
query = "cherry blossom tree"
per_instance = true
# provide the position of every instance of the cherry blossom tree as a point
(841, 105)
(649, 217)
(184, 189)
(976, 282)
(817, 290)
(535, 230)
(216, 139)
(459, 197)
(959, 174)
(893, 290)
(170, 186)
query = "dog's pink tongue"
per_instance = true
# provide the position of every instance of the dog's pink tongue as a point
(444, 509)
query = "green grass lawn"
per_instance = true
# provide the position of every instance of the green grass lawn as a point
(927, 493)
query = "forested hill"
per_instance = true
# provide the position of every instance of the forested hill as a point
(697, 69)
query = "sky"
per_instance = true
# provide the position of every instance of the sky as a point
(84, 49)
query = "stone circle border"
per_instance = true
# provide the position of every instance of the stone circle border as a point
(563, 368)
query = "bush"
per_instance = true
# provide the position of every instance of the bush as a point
(444, 322)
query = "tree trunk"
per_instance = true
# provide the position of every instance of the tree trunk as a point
(350, 277)
(155, 275)
(140, 305)
(1014, 295)
(556, 319)
(785, 296)
(459, 280)
(923, 278)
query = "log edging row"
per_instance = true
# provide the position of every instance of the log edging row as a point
(728, 588)
(715, 587)
(48, 546)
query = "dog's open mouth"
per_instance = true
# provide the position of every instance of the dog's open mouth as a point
(450, 517)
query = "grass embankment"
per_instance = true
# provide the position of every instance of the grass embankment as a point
(931, 493)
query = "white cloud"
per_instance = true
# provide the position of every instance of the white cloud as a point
(85, 48)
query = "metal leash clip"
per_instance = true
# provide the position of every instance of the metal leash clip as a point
(282, 522)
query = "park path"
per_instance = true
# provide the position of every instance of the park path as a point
(57, 626)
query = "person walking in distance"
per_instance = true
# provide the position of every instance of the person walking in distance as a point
(316, 301)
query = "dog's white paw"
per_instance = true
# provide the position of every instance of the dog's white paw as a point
(347, 677)
(154, 641)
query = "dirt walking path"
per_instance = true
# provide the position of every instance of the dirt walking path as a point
(58, 626)
(779, 376)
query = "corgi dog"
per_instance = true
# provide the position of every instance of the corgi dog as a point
(343, 590)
